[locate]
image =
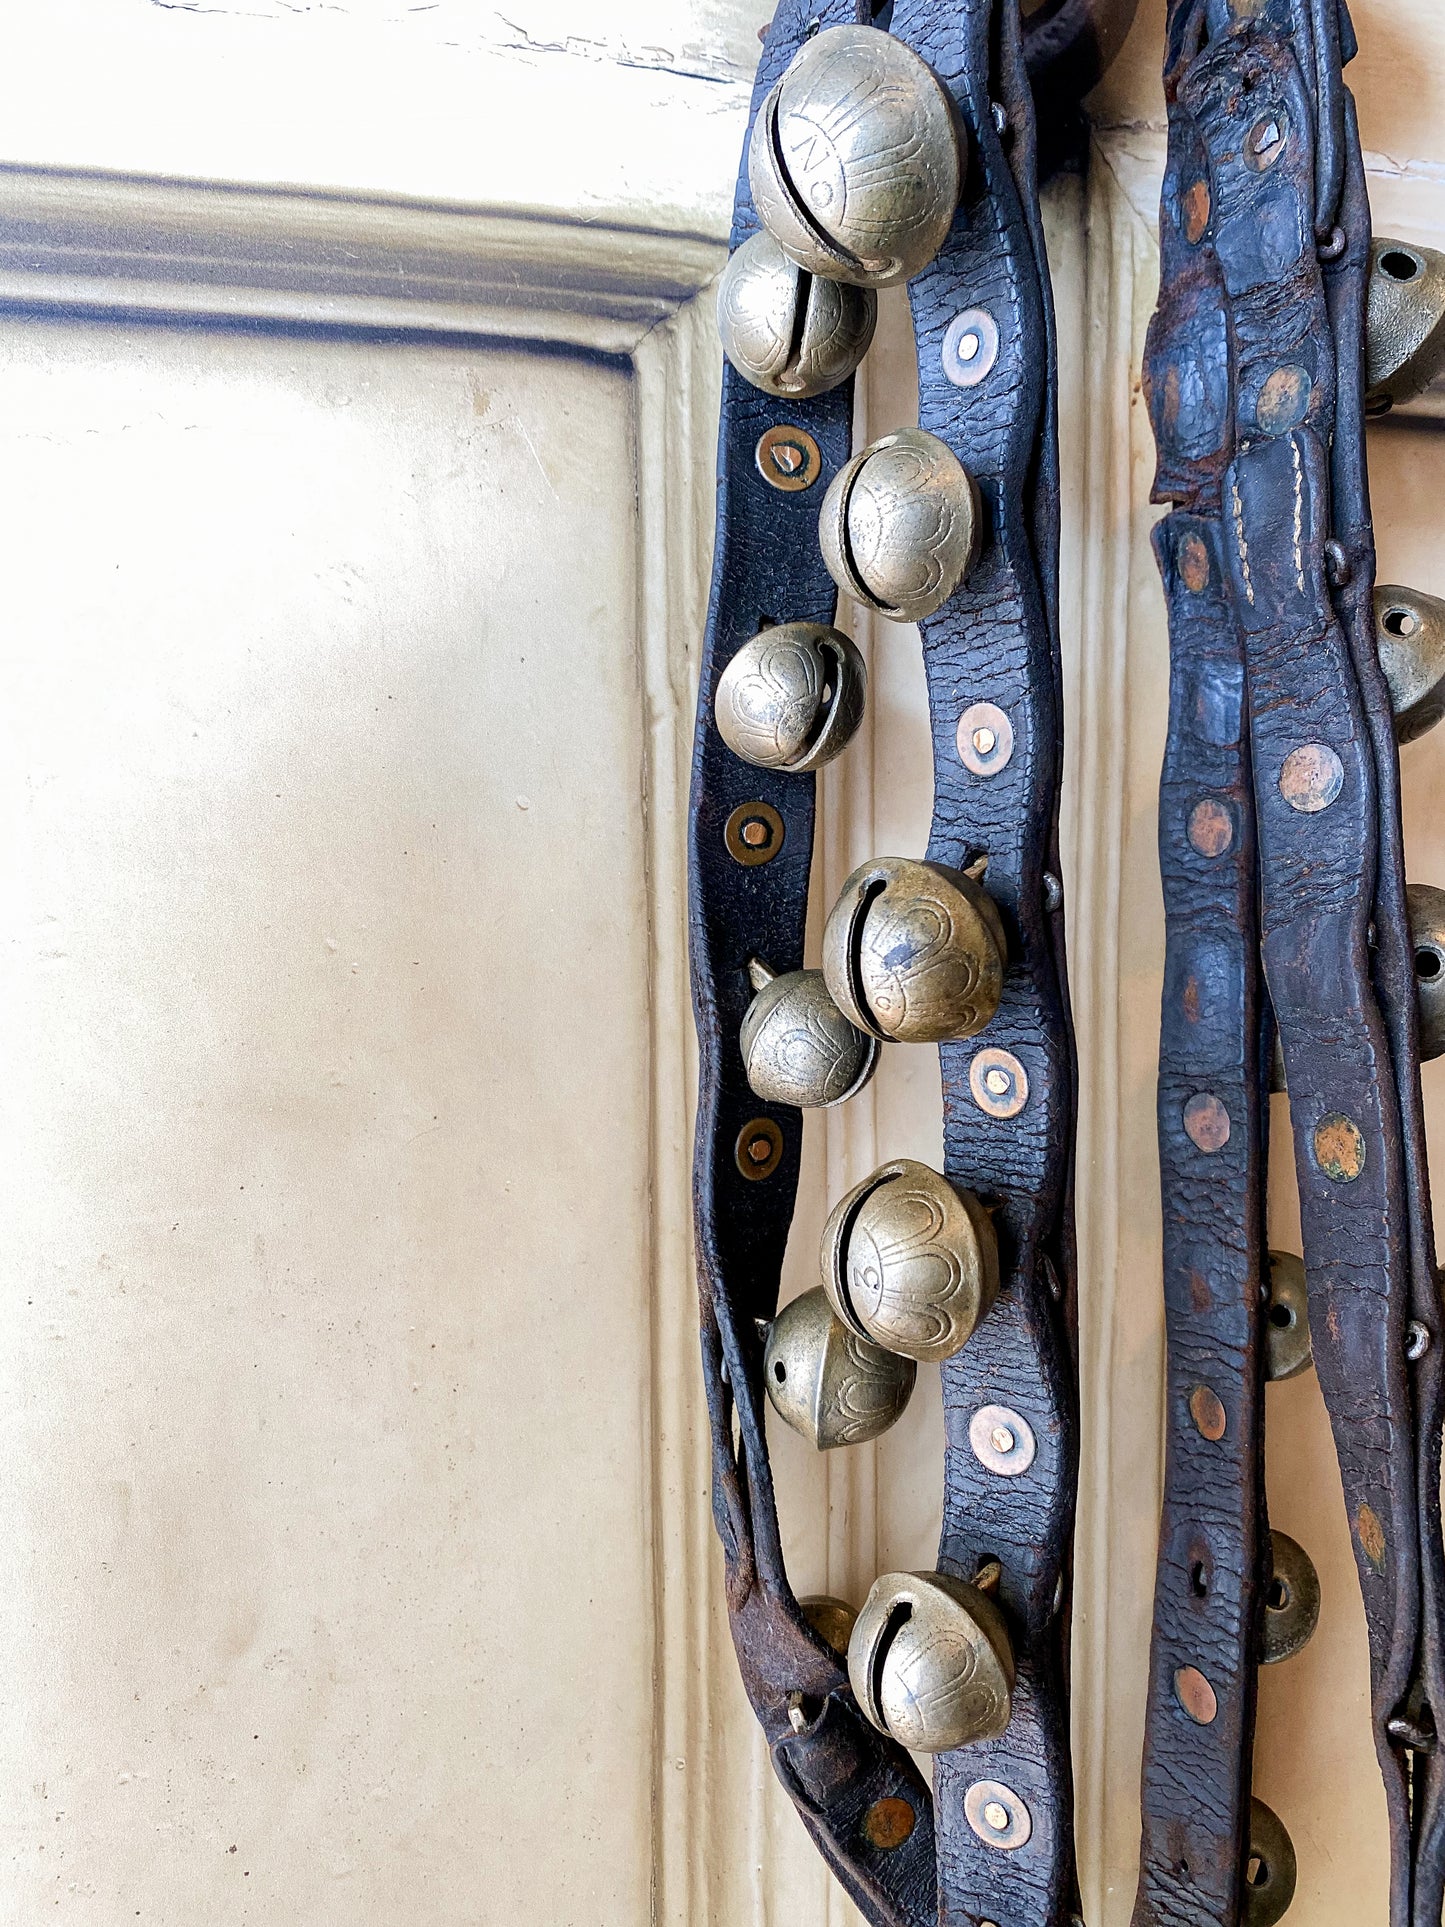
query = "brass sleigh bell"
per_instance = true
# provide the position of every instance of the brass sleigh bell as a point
(828, 1383)
(930, 1662)
(854, 159)
(792, 698)
(1271, 1870)
(1427, 932)
(911, 1261)
(1405, 348)
(1292, 1603)
(831, 1619)
(786, 331)
(1288, 1349)
(1410, 642)
(798, 1047)
(913, 952)
(899, 525)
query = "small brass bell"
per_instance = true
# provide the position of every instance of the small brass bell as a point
(1410, 642)
(930, 1662)
(786, 331)
(1272, 1869)
(831, 1619)
(792, 698)
(911, 1261)
(1292, 1603)
(914, 952)
(899, 526)
(854, 160)
(1288, 1349)
(828, 1383)
(1427, 932)
(798, 1047)
(1405, 346)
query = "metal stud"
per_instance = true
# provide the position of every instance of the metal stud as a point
(759, 1149)
(985, 739)
(792, 698)
(1427, 933)
(997, 1815)
(911, 1261)
(854, 162)
(1292, 1603)
(998, 1083)
(930, 1662)
(1002, 1440)
(899, 526)
(798, 1047)
(1410, 642)
(1405, 347)
(914, 952)
(1287, 1347)
(786, 331)
(1311, 777)
(970, 347)
(1271, 1870)
(826, 1381)
(788, 458)
(754, 833)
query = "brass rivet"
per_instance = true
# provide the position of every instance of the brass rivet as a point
(789, 458)
(970, 348)
(759, 1149)
(753, 833)
(1207, 1121)
(1371, 1535)
(1311, 777)
(1196, 1695)
(1211, 827)
(997, 1815)
(1002, 1440)
(1339, 1147)
(1196, 212)
(1193, 558)
(1284, 400)
(985, 739)
(888, 1823)
(999, 1083)
(1207, 1412)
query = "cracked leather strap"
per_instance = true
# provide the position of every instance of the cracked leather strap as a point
(1199, 1727)
(995, 641)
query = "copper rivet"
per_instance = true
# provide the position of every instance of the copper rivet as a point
(1207, 1121)
(985, 739)
(1196, 212)
(1372, 1536)
(1339, 1147)
(753, 833)
(759, 1149)
(1207, 1412)
(999, 1083)
(1311, 777)
(789, 458)
(1196, 1695)
(1211, 827)
(888, 1823)
(997, 1815)
(1284, 400)
(1193, 557)
(970, 348)
(1002, 1440)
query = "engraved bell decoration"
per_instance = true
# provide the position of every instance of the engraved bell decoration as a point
(1405, 347)
(1427, 932)
(930, 1662)
(1410, 642)
(827, 1382)
(786, 331)
(792, 698)
(911, 1261)
(914, 952)
(899, 525)
(1273, 1869)
(798, 1047)
(1288, 1348)
(854, 162)
(1292, 1603)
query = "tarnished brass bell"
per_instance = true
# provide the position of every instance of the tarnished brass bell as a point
(914, 952)
(930, 1662)
(798, 1047)
(854, 162)
(831, 1619)
(899, 526)
(911, 1261)
(828, 1383)
(1426, 905)
(786, 331)
(1292, 1604)
(792, 698)
(1288, 1350)
(1405, 345)
(1410, 642)
(1271, 1870)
